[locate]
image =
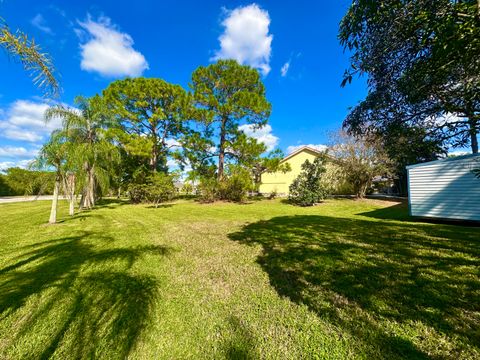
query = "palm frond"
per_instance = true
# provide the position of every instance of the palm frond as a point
(36, 62)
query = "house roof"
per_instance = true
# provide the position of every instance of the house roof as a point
(448, 159)
(299, 150)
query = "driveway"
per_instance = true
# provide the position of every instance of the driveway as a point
(13, 199)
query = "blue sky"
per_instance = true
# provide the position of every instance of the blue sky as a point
(292, 43)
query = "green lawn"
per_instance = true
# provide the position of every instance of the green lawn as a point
(346, 279)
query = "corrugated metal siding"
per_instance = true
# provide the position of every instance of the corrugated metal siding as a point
(445, 189)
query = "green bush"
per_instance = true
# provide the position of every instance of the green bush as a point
(208, 189)
(157, 189)
(308, 189)
(236, 185)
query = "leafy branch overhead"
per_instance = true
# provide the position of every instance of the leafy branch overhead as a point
(38, 63)
(422, 66)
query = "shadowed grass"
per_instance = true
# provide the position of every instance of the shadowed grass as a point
(346, 279)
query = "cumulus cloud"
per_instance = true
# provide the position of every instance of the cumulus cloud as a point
(4, 165)
(40, 23)
(246, 37)
(263, 135)
(319, 147)
(284, 69)
(17, 151)
(23, 120)
(108, 51)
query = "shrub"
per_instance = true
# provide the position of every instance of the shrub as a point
(236, 184)
(208, 189)
(234, 187)
(158, 188)
(307, 189)
(187, 188)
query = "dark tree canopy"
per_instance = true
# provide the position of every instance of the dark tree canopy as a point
(423, 66)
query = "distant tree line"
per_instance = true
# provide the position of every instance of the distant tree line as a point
(21, 182)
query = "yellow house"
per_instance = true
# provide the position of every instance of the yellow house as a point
(279, 182)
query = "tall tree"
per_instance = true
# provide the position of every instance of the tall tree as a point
(421, 58)
(152, 112)
(94, 156)
(229, 94)
(34, 60)
(54, 154)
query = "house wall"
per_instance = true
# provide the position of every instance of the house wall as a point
(279, 182)
(445, 189)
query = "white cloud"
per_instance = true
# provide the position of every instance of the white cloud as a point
(319, 147)
(172, 143)
(17, 151)
(284, 69)
(23, 120)
(4, 165)
(171, 163)
(446, 119)
(246, 38)
(263, 135)
(40, 23)
(108, 51)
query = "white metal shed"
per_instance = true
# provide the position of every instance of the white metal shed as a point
(445, 189)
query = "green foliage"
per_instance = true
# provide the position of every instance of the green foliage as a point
(208, 189)
(87, 149)
(4, 188)
(236, 184)
(228, 94)
(157, 189)
(422, 62)
(18, 181)
(307, 189)
(29, 53)
(151, 113)
(187, 188)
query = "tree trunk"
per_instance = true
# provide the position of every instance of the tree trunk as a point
(88, 195)
(71, 194)
(473, 139)
(472, 123)
(53, 211)
(91, 186)
(154, 158)
(221, 153)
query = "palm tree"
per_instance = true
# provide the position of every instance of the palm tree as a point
(54, 154)
(29, 53)
(93, 156)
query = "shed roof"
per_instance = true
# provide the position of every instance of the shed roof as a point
(448, 159)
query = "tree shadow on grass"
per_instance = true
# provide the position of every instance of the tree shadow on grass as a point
(241, 345)
(74, 297)
(378, 281)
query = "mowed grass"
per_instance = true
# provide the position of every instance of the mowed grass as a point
(342, 280)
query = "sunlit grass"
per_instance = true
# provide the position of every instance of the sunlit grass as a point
(346, 279)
